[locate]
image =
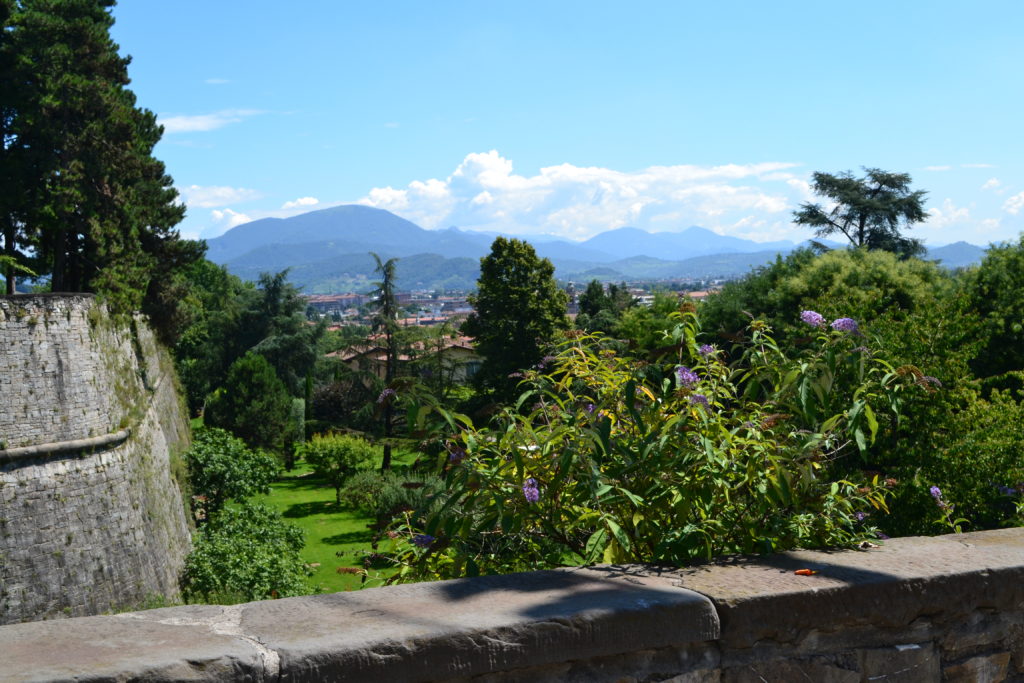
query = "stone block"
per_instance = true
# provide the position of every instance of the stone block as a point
(982, 669)
(463, 628)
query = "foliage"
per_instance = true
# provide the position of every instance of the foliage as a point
(869, 212)
(85, 202)
(865, 285)
(969, 447)
(336, 457)
(230, 318)
(387, 494)
(223, 468)
(625, 462)
(245, 553)
(600, 310)
(518, 308)
(996, 290)
(254, 405)
(386, 320)
(647, 327)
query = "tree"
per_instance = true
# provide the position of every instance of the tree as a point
(245, 553)
(386, 320)
(254, 405)
(222, 467)
(996, 291)
(518, 308)
(336, 457)
(84, 195)
(869, 212)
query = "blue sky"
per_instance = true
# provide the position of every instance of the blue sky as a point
(570, 118)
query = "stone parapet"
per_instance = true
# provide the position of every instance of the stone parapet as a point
(914, 609)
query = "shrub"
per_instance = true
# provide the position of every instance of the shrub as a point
(386, 494)
(245, 553)
(336, 457)
(611, 460)
(254, 405)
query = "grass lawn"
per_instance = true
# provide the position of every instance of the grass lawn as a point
(336, 536)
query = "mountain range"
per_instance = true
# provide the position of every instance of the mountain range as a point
(329, 251)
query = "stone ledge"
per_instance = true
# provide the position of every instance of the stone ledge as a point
(57, 447)
(914, 609)
(417, 632)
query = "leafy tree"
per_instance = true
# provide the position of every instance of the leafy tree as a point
(245, 553)
(223, 468)
(518, 308)
(870, 212)
(386, 320)
(600, 310)
(647, 327)
(254, 405)
(83, 192)
(336, 457)
(996, 291)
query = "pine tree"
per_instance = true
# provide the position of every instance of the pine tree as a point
(96, 208)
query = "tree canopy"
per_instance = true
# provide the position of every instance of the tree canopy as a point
(517, 309)
(869, 212)
(85, 202)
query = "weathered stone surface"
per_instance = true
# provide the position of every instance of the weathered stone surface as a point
(817, 669)
(127, 648)
(907, 591)
(455, 629)
(902, 663)
(987, 669)
(84, 532)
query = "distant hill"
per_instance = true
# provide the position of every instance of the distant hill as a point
(328, 251)
(956, 255)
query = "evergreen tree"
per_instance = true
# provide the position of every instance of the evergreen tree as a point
(254, 405)
(89, 200)
(869, 212)
(386, 320)
(518, 308)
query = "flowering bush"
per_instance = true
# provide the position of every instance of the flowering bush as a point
(605, 459)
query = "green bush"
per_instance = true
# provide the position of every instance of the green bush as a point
(254, 405)
(610, 460)
(336, 457)
(245, 553)
(222, 467)
(386, 494)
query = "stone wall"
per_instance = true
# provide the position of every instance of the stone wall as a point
(949, 608)
(91, 519)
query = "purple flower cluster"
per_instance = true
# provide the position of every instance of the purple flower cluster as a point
(845, 325)
(589, 408)
(706, 350)
(937, 495)
(385, 394)
(456, 454)
(812, 318)
(530, 490)
(700, 399)
(686, 376)
(423, 540)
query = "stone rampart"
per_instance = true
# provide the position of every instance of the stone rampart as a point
(91, 519)
(949, 608)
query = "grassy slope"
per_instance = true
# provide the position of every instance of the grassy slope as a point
(309, 503)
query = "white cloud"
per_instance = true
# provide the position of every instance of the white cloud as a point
(227, 219)
(947, 216)
(485, 193)
(1014, 204)
(301, 202)
(938, 168)
(216, 81)
(991, 184)
(205, 122)
(977, 166)
(211, 196)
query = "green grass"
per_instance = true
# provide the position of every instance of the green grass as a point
(336, 536)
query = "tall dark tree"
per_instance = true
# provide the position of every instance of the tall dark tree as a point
(518, 308)
(94, 206)
(386, 320)
(870, 212)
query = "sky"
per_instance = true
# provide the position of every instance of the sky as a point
(571, 118)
